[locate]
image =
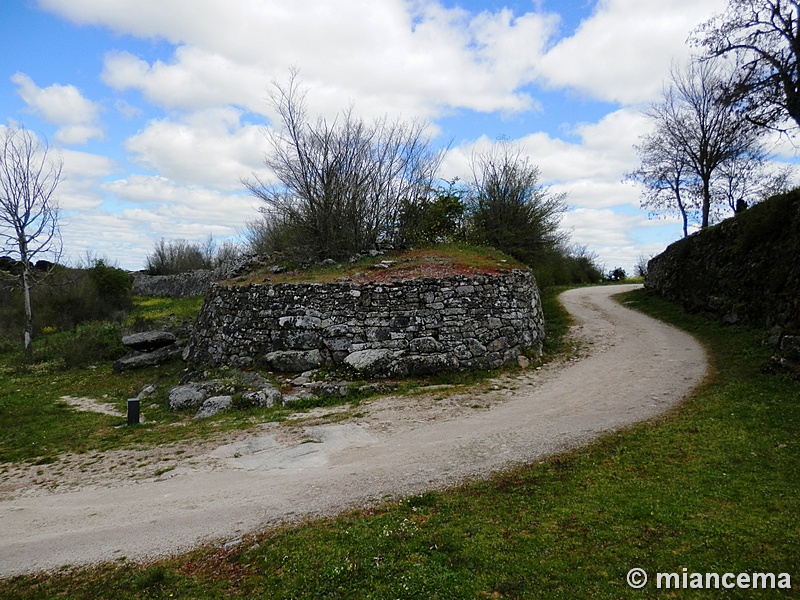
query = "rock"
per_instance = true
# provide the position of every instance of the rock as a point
(523, 361)
(146, 392)
(304, 378)
(337, 389)
(294, 361)
(213, 405)
(377, 388)
(180, 285)
(266, 397)
(187, 396)
(731, 318)
(137, 360)
(148, 340)
(425, 345)
(428, 364)
(254, 379)
(790, 344)
(370, 362)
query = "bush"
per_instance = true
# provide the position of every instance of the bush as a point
(179, 256)
(510, 209)
(435, 220)
(341, 183)
(112, 285)
(92, 345)
(68, 297)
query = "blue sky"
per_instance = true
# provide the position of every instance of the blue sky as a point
(157, 106)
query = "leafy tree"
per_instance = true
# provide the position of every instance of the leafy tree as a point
(509, 207)
(29, 210)
(433, 220)
(763, 38)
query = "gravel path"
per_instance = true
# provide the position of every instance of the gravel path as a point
(631, 369)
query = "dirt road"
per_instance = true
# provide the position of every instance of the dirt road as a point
(633, 369)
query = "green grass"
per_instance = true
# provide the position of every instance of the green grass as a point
(711, 487)
(38, 427)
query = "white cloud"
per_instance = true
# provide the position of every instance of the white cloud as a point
(169, 207)
(623, 51)
(416, 58)
(80, 187)
(204, 148)
(64, 106)
(411, 57)
(598, 157)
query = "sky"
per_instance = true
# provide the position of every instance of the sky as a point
(159, 107)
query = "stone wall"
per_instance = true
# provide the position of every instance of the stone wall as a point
(745, 269)
(181, 285)
(381, 329)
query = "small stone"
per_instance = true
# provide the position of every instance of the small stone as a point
(294, 361)
(146, 392)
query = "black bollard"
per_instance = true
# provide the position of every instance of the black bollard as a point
(133, 411)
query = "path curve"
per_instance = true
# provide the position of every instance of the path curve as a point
(636, 368)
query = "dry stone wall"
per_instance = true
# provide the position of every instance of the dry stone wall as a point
(380, 329)
(744, 270)
(181, 285)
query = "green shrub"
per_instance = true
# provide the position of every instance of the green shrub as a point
(112, 285)
(435, 220)
(66, 298)
(93, 344)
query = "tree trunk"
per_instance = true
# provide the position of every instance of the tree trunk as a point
(706, 201)
(26, 289)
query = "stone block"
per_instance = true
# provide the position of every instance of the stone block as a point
(370, 362)
(148, 340)
(424, 345)
(295, 361)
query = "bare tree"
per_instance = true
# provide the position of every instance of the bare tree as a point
(510, 208)
(704, 132)
(29, 211)
(743, 180)
(667, 179)
(763, 37)
(342, 184)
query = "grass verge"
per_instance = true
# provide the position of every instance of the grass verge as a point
(710, 487)
(38, 427)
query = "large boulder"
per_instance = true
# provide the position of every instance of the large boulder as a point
(148, 340)
(371, 362)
